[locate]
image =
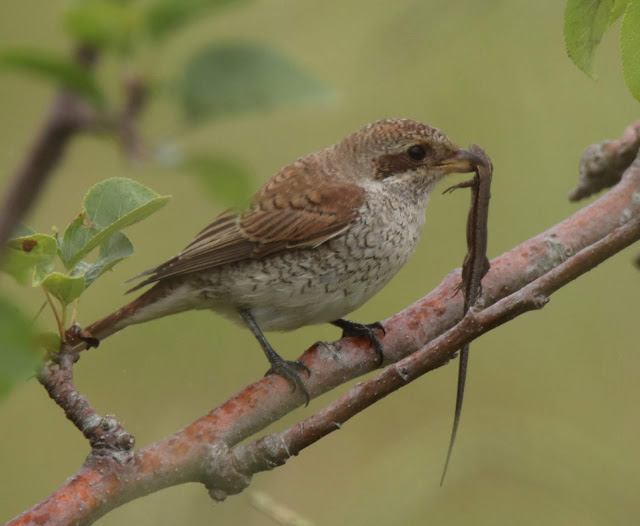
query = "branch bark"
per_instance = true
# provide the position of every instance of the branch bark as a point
(103, 433)
(207, 450)
(602, 164)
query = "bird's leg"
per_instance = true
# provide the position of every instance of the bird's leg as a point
(368, 331)
(288, 369)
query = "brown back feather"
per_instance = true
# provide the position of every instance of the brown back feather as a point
(296, 208)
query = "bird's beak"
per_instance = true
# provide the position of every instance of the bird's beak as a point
(462, 162)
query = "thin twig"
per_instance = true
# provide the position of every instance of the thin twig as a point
(276, 511)
(103, 434)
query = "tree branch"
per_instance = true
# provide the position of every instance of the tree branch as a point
(204, 451)
(602, 164)
(104, 434)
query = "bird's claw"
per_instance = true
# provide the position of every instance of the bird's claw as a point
(288, 369)
(377, 325)
(368, 331)
(75, 332)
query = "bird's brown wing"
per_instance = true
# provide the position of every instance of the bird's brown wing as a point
(294, 209)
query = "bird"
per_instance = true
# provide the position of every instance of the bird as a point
(317, 241)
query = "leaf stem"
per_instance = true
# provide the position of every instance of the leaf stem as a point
(74, 316)
(64, 321)
(37, 314)
(59, 321)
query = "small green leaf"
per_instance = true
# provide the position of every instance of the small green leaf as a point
(225, 180)
(80, 270)
(585, 22)
(30, 257)
(164, 16)
(54, 68)
(109, 206)
(75, 239)
(103, 23)
(114, 250)
(18, 356)
(630, 47)
(65, 288)
(227, 79)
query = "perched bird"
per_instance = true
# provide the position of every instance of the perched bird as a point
(318, 240)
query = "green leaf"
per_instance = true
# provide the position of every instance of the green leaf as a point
(585, 22)
(103, 23)
(164, 16)
(18, 356)
(30, 257)
(233, 78)
(65, 288)
(54, 68)
(109, 206)
(75, 239)
(223, 179)
(114, 250)
(618, 10)
(630, 47)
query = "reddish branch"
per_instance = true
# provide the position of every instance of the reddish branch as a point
(207, 450)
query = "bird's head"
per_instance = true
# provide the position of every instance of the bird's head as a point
(403, 152)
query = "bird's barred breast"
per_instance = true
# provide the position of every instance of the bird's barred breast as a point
(318, 285)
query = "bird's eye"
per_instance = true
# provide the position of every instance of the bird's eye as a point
(417, 152)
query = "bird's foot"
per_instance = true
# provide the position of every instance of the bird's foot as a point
(77, 333)
(289, 370)
(285, 368)
(368, 331)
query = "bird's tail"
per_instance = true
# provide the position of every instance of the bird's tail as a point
(116, 321)
(154, 303)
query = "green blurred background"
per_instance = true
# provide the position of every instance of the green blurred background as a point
(550, 430)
